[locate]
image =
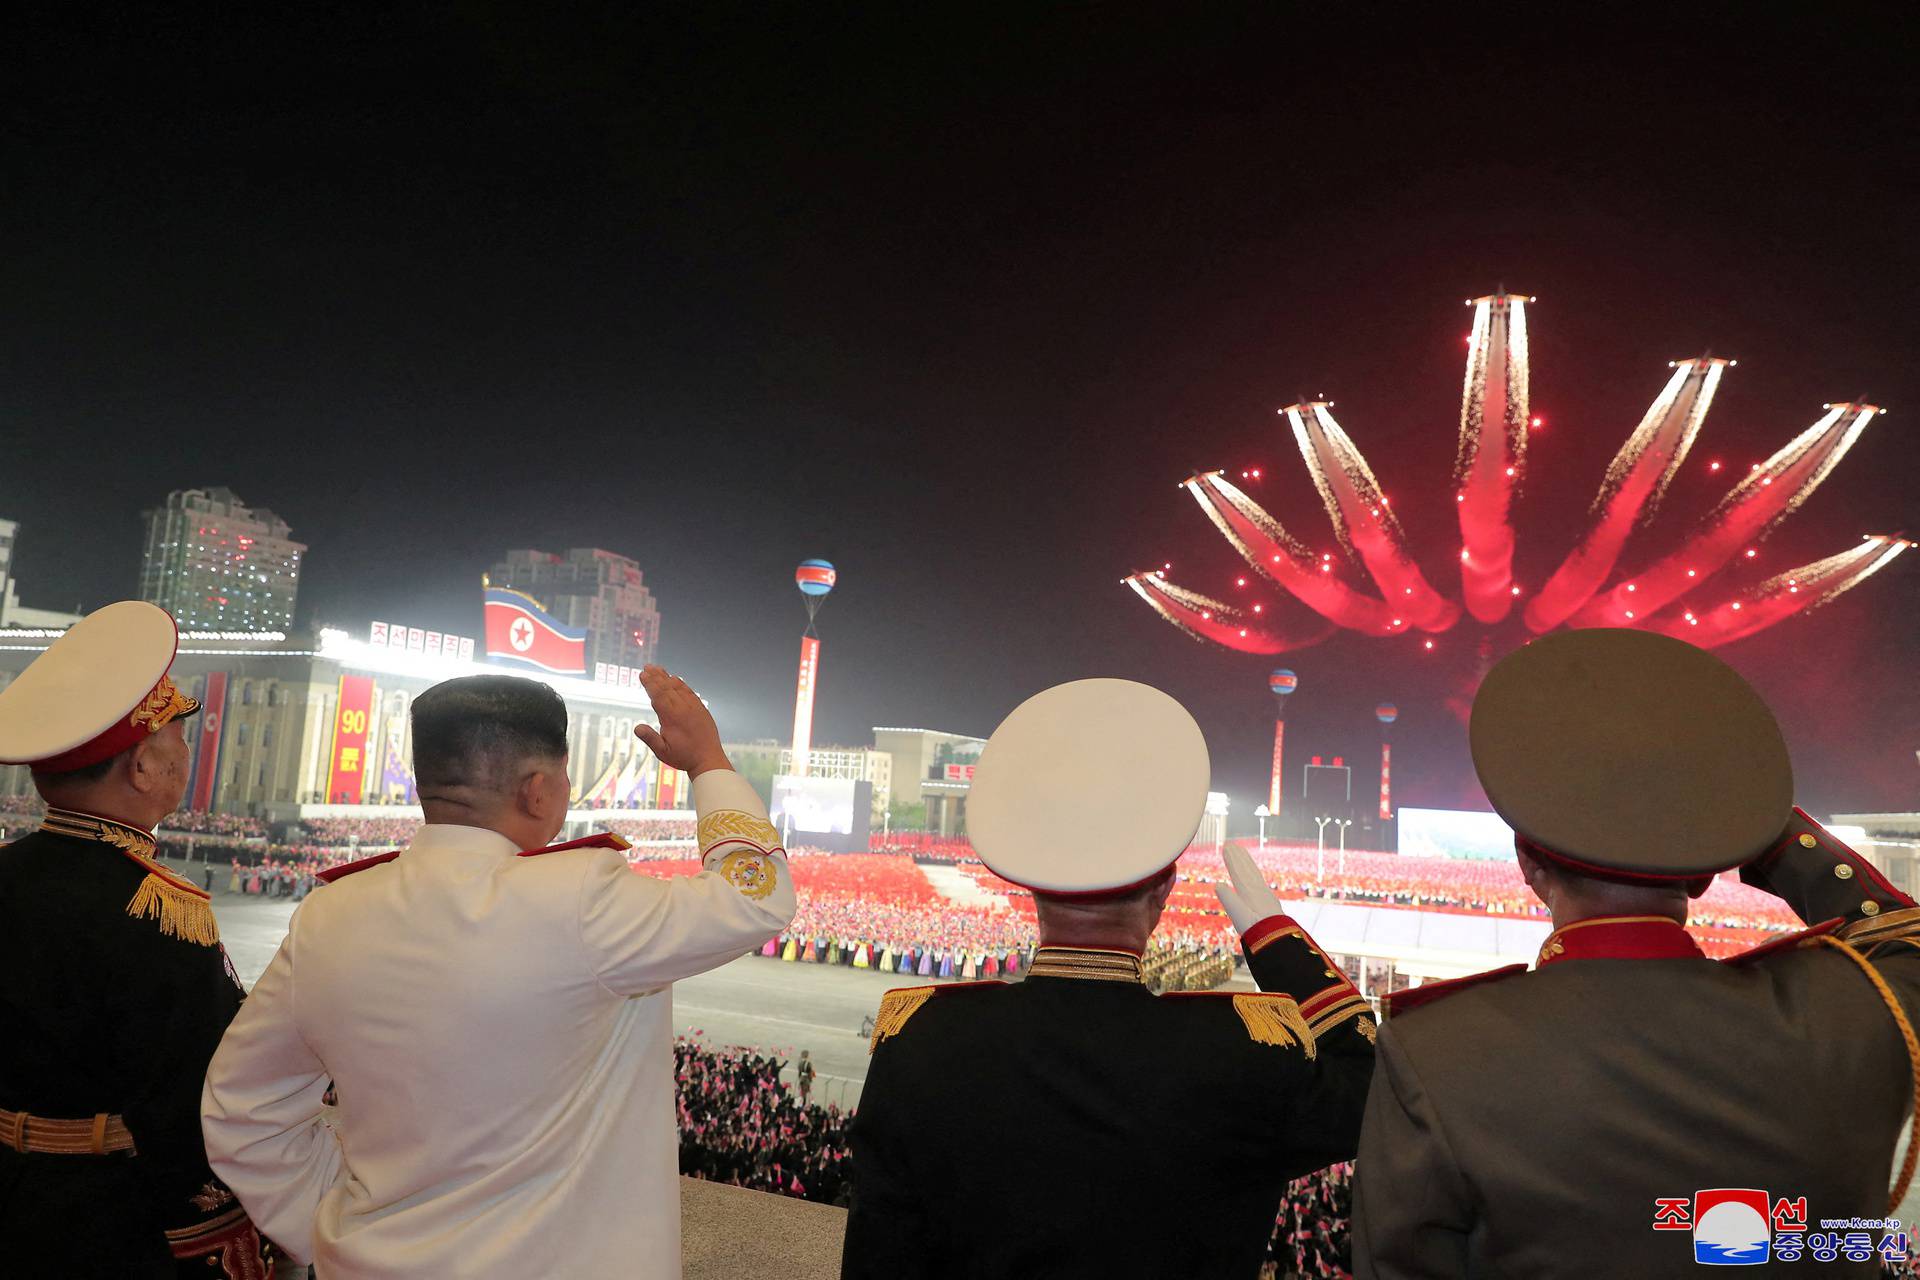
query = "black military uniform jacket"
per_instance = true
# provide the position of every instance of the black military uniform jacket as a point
(1074, 1124)
(114, 991)
(1530, 1124)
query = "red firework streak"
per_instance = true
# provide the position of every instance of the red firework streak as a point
(1492, 452)
(1584, 591)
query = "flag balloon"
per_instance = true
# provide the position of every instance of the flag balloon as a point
(814, 577)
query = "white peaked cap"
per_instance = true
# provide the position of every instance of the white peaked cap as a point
(1089, 787)
(96, 691)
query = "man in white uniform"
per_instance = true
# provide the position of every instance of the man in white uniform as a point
(497, 1025)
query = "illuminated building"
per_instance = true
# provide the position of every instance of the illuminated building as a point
(216, 564)
(315, 725)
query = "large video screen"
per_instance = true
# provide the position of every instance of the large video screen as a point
(817, 806)
(1455, 833)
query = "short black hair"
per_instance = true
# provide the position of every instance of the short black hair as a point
(471, 731)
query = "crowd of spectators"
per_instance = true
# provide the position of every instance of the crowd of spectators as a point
(1311, 1235)
(237, 826)
(391, 833)
(742, 1125)
(285, 872)
(679, 831)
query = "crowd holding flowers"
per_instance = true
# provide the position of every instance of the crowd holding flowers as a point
(740, 1124)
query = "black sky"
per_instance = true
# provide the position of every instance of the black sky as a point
(955, 301)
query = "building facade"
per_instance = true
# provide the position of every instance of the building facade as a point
(593, 589)
(933, 768)
(217, 564)
(308, 725)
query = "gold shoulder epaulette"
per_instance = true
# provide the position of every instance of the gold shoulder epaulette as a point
(1271, 1018)
(895, 1008)
(182, 910)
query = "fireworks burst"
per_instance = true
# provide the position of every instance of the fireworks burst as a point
(1491, 459)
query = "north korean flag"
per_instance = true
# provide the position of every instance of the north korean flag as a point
(521, 633)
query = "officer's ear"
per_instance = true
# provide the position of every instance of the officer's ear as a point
(545, 793)
(144, 766)
(1534, 874)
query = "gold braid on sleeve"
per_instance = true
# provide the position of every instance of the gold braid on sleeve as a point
(1901, 1021)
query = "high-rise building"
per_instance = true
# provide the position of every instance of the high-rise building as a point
(217, 564)
(592, 589)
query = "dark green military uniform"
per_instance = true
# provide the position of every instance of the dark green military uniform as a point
(111, 1009)
(1074, 1124)
(1530, 1124)
(1632, 1108)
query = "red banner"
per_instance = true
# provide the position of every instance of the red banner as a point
(206, 762)
(1273, 788)
(803, 704)
(1386, 780)
(352, 728)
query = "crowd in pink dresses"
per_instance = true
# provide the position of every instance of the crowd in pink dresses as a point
(286, 872)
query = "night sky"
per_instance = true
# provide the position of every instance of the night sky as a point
(956, 303)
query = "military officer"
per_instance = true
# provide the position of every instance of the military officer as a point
(116, 987)
(1151, 1136)
(1589, 1117)
(495, 1016)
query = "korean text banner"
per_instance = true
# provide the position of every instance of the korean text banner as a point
(352, 728)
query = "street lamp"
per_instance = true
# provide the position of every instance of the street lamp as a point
(1344, 824)
(1320, 852)
(1262, 813)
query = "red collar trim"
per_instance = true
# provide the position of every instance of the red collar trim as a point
(1619, 938)
(349, 868)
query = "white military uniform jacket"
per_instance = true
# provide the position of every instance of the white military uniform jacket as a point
(499, 1033)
